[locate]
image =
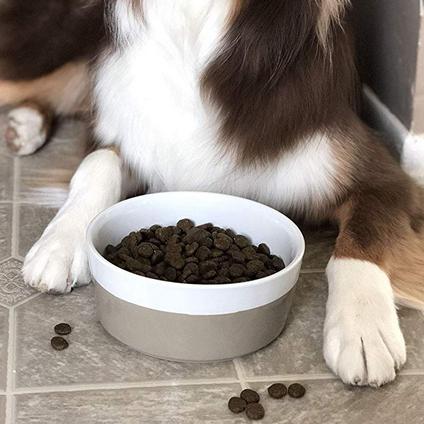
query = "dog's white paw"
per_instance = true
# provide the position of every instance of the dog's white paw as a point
(363, 343)
(27, 129)
(57, 262)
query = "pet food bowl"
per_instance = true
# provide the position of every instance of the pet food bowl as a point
(194, 322)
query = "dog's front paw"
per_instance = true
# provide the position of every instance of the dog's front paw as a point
(57, 262)
(363, 343)
(27, 129)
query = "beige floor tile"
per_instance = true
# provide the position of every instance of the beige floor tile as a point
(33, 220)
(5, 230)
(12, 287)
(4, 335)
(93, 355)
(334, 403)
(172, 405)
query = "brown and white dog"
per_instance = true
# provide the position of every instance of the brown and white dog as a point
(255, 98)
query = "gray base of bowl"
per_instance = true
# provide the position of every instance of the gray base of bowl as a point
(191, 338)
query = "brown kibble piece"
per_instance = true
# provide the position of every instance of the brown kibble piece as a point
(185, 224)
(249, 252)
(59, 343)
(210, 274)
(237, 405)
(170, 274)
(222, 241)
(237, 256)
(277, 390)
(296, 390)
(263, 248)
(157, 257)
(203, 253)
(62, 329)
(255, 411)
(145, 250)
(189, 269)
(190, 249)
(254, 266)
(164, 233)
(196, 235)
(236, 270)
(241, 241)
(250, 396)
(278, 263)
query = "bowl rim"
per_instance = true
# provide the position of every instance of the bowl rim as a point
(204, 286)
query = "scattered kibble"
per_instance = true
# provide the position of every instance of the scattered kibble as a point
(249, 399)
(250, 396)
(59, 343)
(255, 411)
(296, 390)
(237, 405)
(277, 390)
(62, 329)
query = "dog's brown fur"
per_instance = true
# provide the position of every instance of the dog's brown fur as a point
(37, 37)
(274, 48)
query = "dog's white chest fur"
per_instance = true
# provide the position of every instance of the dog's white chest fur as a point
(149, 102)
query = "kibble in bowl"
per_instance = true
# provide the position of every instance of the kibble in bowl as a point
(186, 253)
(176, 288)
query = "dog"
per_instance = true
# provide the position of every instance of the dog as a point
(257, 99)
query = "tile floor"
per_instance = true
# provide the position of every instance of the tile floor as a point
(99, 380)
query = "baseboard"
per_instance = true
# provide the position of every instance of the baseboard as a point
(408, 146)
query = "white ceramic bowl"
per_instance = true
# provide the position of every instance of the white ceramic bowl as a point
(194, 322)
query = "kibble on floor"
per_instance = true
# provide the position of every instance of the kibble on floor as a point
(237, 405)
(62, 329)
(296, 390)
(255, 411)
(250, 396)
(59, 343)
(277, 390)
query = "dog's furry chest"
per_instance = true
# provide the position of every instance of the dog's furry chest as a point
(150, 103)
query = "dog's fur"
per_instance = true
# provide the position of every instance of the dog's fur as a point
(259, 99)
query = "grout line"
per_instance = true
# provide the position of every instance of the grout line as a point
(412, 372)
(313, 271)
(240, 373)
(291, 377)
(121, 386)
(15, 207)
(10, 385)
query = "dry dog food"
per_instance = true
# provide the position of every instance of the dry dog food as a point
(250, 396)
(255, 411)
(187, 253)
(59, 343)
(62, 329)
(296, 390)
(277, 390)
(249, 399)
(237, 405)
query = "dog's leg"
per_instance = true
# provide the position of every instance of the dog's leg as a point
(363, 343)
(58, 260)
(62, 92)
